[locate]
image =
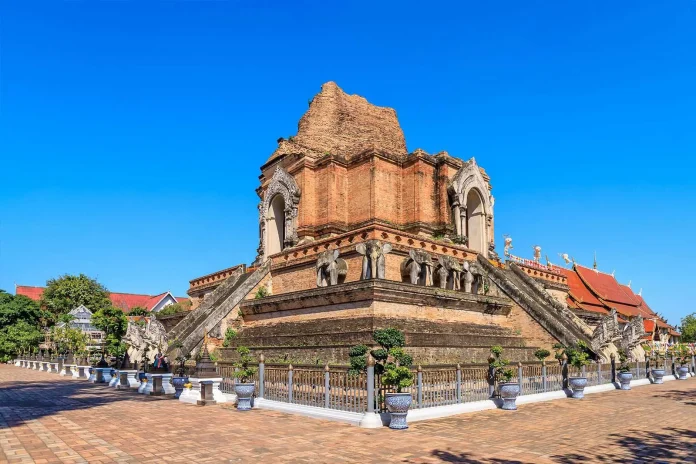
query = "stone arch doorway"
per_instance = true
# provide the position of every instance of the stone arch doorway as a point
(475, 221)
(275, 225)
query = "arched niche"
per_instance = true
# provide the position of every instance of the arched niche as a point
(278, 215)
(275, 225)
(475, 221)
(472, 207)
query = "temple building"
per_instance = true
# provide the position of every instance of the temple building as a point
(357, 233)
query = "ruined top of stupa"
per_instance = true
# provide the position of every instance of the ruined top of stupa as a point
(340, 124)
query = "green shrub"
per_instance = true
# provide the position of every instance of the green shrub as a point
(262, 292)
(541, 354)
(230, 334)
(623, 362)
(244, 372)
(498, 365)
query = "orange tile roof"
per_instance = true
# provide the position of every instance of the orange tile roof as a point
(125, 301)
(605, 286)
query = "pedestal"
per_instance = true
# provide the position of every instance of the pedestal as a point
(114, 378)
(18, 362)
(44, 366)
(53, 368)
(101, 375)
(67, 370)
(37, 365)
(203, 391)
(127, 379)
(158, 384)
(78, 372)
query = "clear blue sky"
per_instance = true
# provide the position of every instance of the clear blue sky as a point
(132, 132)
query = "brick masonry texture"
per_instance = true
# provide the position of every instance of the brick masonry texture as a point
(48, 419)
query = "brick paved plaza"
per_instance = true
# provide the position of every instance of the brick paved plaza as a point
(45, 418)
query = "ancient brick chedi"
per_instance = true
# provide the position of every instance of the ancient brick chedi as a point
(356, 233)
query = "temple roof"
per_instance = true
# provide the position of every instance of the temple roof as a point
(340, 124)
(594, 291)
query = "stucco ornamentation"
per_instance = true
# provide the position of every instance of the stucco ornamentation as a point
(374, 261)
(606, 332)
(329, 268)
(418, 267)
(282, 183)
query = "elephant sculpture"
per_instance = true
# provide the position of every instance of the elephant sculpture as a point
(329, 268)
(468, 277)
(418, 267)
(449, 272)
(373, 263)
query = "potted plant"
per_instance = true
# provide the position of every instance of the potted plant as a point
(656, 356)
(502, 375)
(625, 375)
(244, 385)
(681, 353)
(578, 357)
(397, 374)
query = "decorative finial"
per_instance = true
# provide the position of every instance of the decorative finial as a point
(262, 358)
(594, 265)
(640, 292)
(612, 272)
(629, 284)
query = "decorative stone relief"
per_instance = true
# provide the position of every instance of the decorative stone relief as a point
(418, 267)
(632, 333)
(449, 272)
(329, 268)
(469, 178)
(373, 263)
(283, 184)
(606, 332)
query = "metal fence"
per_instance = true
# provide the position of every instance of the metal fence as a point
(335, 387)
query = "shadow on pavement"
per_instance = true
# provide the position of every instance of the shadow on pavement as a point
(27, 400)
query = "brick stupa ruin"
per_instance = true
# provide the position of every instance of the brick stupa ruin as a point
(356, 233)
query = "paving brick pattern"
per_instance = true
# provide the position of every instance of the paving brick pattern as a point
(45, 418)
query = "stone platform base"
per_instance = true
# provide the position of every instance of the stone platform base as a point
(101, 375)
(193, 395)
(127, 379)
(67, 370)
(53, 368)
(165, 388)
(114, 378)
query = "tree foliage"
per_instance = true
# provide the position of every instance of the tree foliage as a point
(138, 311)
(688, 328)
(175, 308)
(20, 322)
(391, 361)
(113, 323)
(67, 292)
(69, 339)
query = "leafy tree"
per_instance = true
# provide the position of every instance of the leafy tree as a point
(67, 292)
(175, 308)
(688, 328)
(69, 339)
(20, 319)
(113, 323)
(14, 308)
(138, 311)
(498, 364)
(541, 354)
(244, 371)
(389, 357)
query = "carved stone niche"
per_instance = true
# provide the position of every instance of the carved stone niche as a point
(418, 268)
(278, 218)
(448, 273)
(330, 268)
(374, 262)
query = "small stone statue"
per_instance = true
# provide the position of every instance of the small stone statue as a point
(418, 267)
(468, 277)
(449, 272)
(508, 245)
(373, 264)
(329, 268)
(537, 253)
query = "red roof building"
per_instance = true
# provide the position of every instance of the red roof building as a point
(125, 301)
(593, 294)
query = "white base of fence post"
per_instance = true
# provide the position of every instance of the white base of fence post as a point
(371, 420)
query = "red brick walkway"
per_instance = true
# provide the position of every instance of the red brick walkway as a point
(45, 418)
